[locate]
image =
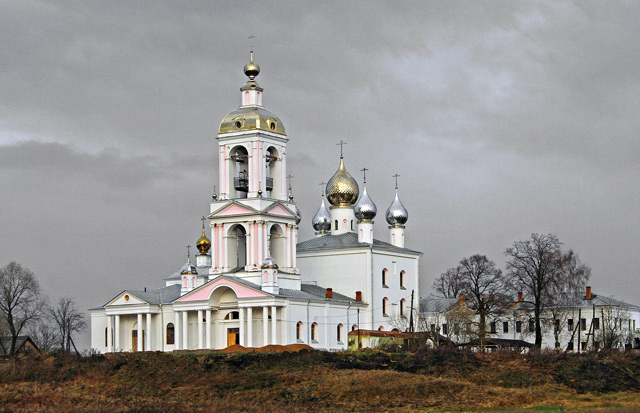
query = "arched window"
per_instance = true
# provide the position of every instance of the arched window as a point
(351, 225)
(234, 315)
(381, 328)
(314, 331)
(105, 337)
(385, 275)
(299, 331)
(171, 334)
(385, 306)
(184, 282)
(403, 279)
(354, 327)
(340, 333)
(246, 98)
(336, 225)
(403, 311)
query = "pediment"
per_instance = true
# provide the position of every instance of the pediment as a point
(203, 292)
(279, 210)
(232, 208)
(125, 298)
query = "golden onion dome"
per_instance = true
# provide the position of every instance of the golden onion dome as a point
(203, 243)
(251, 69)
(342, 189)
(251, 118)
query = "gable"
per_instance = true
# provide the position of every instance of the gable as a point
(279, 210)
(233, 209)
(125, 298)
(203, 293)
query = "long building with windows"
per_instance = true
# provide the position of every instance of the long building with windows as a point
(252, 283)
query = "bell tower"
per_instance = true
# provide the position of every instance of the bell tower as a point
(253, 217)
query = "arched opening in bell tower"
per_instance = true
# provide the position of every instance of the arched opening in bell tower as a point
(239, 172)
(237, 246)
(277, 244)
(273, 172)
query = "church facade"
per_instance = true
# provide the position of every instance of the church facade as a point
(253, 284)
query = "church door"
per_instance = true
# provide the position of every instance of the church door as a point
(233, 336)
(134, 340)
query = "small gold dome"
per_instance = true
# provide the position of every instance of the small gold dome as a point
(251, 69)
(203, 243)
(342, 189)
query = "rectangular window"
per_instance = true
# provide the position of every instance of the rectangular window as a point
(596, 323)
(556, 325)
(570, 346)
(505, 326)
(492, 326)
(445, 329)
(532, 326)
(570, 324)
(584, 345)
(518, 326)
(583, 324)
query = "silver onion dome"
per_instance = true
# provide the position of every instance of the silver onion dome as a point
(365, 209)
(397, 214)
(322, 219)
(188, 268)
(269, 263)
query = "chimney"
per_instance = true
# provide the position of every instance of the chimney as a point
(520, 296)
(588, 295)
(358, 295)
(462, 298)
(329, 293)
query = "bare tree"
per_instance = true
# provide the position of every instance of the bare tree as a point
(44, 336)
(20, 302)
(542, 272)
(614, 330)
(68, 320)
(450, 284)
(486, 289)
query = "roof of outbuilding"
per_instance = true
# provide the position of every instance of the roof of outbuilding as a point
(347, 240)
(163, 295)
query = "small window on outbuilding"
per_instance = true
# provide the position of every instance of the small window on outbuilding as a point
(339, 333)
(314, 332)
(171, 334)
(299, 331)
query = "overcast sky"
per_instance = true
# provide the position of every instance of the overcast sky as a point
(502, 119)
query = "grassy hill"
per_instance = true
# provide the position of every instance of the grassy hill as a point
(307, 380)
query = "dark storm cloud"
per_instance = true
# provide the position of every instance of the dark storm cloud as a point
(502, 118)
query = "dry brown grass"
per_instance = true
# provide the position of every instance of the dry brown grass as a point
(316, 381)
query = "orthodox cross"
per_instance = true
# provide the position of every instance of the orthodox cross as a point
(188, 252)
(396, 176)
(251, 36)
(203, 219)
(322, 184)
(364, 173)
(341, 143)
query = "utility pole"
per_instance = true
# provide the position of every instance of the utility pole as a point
(411, 315)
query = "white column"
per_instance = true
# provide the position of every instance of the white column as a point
(249, 327)
(117, 334)
(274, 336)
(249, 249)
(185, 330)
(241, 311)
(176, 330)
(139, 341)
(109, 334)
(148, 334)
(208, 329)
(265, 325)
(200, 344)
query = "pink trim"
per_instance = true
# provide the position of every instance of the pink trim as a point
(255, 243)
(216, 247)
(279, 210)
(205, 292)
(224, 247)
(234, 210)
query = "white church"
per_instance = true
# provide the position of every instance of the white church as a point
(252, 283)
